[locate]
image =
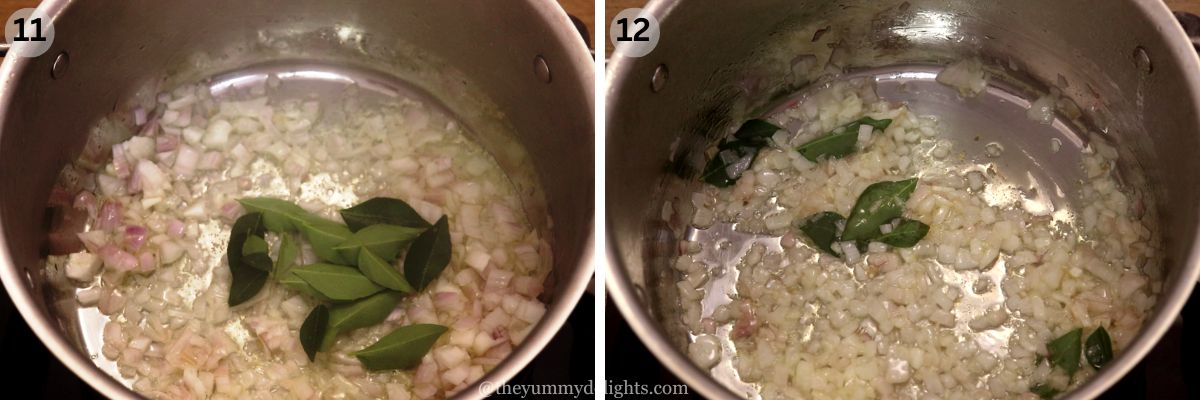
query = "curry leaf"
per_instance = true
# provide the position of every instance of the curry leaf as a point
(383, 240)
(834, 145)
(289, 250)
(292, 281)
(822, 229)
(323, 235)
(382, 272)
(429, 255)
(1098, 348)
(363, 313)
(756, 128)
(329, 339)
(382, 210)
(1044, 391)
(403, 348)
(246, 279)
(729, 153)
(259, 261)
(748, 140)
(279, 215)
(254, 244)
(337, 282)
(1064, 351)
(839, 142)
(245, 283)
(878, 203)
(906, 233)
(246, 226)
(312, 332)
(254, 253)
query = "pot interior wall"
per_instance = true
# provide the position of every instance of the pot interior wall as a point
(476, 63)
(720, 77)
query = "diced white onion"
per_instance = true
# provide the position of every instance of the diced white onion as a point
(735, 170)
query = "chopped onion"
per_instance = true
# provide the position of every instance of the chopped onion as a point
(85, 200)
(864, 135)
(1042, 110)
(527, 285)
(134, 183)
(186, 160)
(120, 163)
(735, 170)
(118, 259)
(82, 266)
(181, 102)
(139, 147)
(192, 134)
(975, 180)
(147, 262)
(139, 116)
(211, 160)
(426, 372)
(93, 240)
(478, 259)
(152, 178)
(135, 237)
(175, 228)
(850, 251)
(498, 279)
(169, 252)
(966, 75)
(728, 156)
(150, 129)
(89, 297)
(448, 301)
(110, 216)
(110, 185)
(231, 210)
(166, 143)
(217, 136)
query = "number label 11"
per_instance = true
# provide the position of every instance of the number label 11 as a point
(37, 37)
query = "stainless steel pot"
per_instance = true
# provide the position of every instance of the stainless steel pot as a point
(521, 66)
(1126, 64)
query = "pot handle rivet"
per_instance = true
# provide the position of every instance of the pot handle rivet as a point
(541, 69)
(61, 63)
(659, 80)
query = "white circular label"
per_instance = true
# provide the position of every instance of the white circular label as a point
(29, 33)
(634, 32)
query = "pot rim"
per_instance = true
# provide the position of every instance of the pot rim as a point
(627, 300)
(579, 62)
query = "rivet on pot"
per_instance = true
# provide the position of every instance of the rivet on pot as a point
(1142, 60)
(659, 80)
(61, 63)
(541, 69)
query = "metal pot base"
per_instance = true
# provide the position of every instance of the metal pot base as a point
(299, 80)
(995, 117)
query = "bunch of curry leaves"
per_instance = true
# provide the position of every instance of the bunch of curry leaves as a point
(356, 280)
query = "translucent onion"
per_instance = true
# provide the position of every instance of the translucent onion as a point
(118, 259)
(135, 237)
(110, 216)
(735, 170)
(120, 163)
(85, 200)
